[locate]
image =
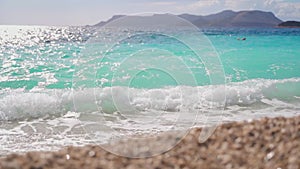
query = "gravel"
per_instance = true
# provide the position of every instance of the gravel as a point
(265, 143)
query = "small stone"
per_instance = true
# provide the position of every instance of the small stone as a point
(270, 156)
(67, 156)
(92, 153)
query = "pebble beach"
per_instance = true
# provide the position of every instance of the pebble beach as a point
(264, 143)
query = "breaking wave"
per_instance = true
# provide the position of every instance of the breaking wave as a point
(19, 104)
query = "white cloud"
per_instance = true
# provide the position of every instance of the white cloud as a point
(162, 3)
(201, 7)
(287, 10)
(205, 3)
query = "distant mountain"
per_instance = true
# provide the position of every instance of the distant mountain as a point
(244, 19)
(290, 24)
(227, 18)
(102, 23)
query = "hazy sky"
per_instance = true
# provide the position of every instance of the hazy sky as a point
(84, 12)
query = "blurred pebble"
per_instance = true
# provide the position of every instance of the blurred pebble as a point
(265, 143)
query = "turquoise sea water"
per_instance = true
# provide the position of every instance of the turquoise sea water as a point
(50, 86)
(45, 56)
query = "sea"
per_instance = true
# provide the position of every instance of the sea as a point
(63, 86)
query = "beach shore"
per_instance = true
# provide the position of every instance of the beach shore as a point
(264, 143)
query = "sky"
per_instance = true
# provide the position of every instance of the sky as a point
(90, 12)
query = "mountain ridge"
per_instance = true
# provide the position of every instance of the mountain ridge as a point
(226, 18)
(290, 24)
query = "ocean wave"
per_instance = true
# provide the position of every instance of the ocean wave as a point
(19, 104)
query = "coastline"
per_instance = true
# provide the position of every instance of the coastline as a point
(263, 143)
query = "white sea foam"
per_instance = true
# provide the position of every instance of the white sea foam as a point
(74, 116)
(20, 104)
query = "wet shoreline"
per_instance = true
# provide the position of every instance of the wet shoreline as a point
(263, 143)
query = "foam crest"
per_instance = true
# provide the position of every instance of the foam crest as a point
(20, 104)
